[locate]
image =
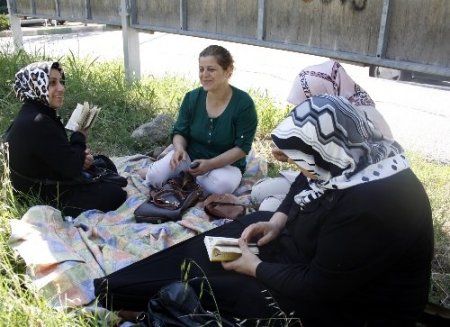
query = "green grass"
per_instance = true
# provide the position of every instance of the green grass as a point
(4, 21)
(436, 180)
(125, 106)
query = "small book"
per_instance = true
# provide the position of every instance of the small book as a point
(225, 248)
(83, 117)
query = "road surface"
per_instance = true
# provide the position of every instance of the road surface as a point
(419, 115)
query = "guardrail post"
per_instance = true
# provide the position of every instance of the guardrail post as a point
(261, 32)
(183, 15)
(88, 11)
(16, 27)
(384, 21)
(33, 7)
(131, 47)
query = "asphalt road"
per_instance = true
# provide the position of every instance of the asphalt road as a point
(419, 114)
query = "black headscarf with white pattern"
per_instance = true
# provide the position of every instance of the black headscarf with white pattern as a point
(329, 138)
(32, 81)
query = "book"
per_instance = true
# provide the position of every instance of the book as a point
(83, 117)
(225, 248)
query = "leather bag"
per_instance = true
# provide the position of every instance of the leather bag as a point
(169, 202)
(224, 206)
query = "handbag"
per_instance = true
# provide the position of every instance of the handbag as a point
(169, 202)
(100, 174)
(224, 205)
(103, 169)
(102, 161)
(177, 305)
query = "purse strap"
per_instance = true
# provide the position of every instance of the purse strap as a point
(214, 203)
(158, 198)
(182, 188)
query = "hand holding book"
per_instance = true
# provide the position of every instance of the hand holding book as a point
(225, 248)
(83, 117)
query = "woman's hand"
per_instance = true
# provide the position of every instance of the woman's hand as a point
(88, 159)
(203, 167)
(267, 230)
(178, 156)
(223, 159)
(246, 264)
(279, 155)
(84, 132)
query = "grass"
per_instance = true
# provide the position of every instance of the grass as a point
(4, 21)
(125, 107)
(436, 179)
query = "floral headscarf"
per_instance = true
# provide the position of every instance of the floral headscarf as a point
(331, 139)
(32, 81)
(332, 79)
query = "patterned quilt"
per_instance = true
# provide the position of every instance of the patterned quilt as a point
(64, 255)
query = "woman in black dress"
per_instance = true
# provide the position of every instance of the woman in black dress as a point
(43, 161)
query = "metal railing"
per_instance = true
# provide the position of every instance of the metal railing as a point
(408, 35)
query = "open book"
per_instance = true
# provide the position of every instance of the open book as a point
(225, 248)
(83, 117)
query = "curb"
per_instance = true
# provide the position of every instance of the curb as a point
(34, 31)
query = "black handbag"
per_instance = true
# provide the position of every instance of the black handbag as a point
(169, 202)
(177, 305)
(99, 174)
(102, 161)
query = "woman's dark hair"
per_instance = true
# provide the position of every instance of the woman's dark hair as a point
(222, 55)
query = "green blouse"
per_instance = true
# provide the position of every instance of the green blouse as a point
(209, 137)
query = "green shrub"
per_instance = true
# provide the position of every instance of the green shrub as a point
(269, 113)
(4, 22)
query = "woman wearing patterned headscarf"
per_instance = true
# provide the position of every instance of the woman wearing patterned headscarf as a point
(42, 160)
(359, 219)
(330, 78)
(351, 245)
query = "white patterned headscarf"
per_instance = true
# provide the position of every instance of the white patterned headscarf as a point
(328, 137)
(32, 81)
(331, 78)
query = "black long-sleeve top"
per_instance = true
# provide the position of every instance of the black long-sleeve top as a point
(364, 254)
(39, 147)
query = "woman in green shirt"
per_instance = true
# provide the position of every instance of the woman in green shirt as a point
(214, 130)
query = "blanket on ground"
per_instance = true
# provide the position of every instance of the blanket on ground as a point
(63, 255)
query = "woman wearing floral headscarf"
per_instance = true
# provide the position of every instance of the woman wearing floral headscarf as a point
(351, 245)
(331, 78)
(43, 161)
